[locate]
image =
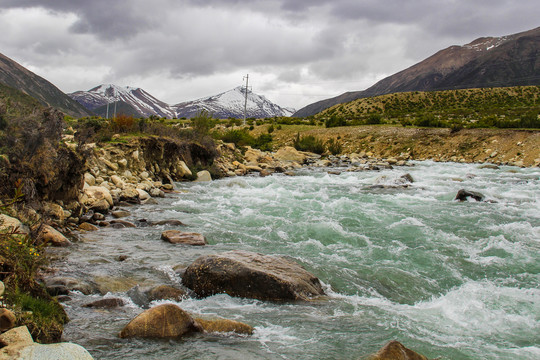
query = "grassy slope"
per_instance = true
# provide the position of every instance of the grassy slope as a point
(467, 104)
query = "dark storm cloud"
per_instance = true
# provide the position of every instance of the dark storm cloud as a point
(105, 18)
(288, 42)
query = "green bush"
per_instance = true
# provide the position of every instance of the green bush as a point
(334, 146)
(335, 121)
(309, 143)
(374, 119)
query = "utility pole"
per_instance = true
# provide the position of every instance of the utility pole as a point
(107, 109)
(245, 101)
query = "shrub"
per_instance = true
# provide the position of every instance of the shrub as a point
(263, 142)
(334, 146)
(374, 119)
(309, 143)
(202, 122)
(271, 129)
(335, 121)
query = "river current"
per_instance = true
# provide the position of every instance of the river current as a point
(456, 280)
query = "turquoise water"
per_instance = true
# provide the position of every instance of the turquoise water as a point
(447, 279)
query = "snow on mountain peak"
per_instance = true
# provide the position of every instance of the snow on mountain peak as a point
(226, 104)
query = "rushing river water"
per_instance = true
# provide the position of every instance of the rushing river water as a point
(449, 279)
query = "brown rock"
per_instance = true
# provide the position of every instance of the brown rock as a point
(120, 214)
(186, 238)
(18, 335)
(394, 350)
(288, 153)
(49, 235)
(105, 303)
(165, 292)
(225, 326)
(123, 222)
(172, 222)
(164, 321)
(87, 227)
(251, 275)
(7, 319)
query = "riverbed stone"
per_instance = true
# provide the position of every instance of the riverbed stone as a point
(290, 154)
(251, 275)
(394, 350)
(166, 321)
(463, 195)
(185, 238)
(120, 214)
(105, 303)
(203, 176)
(50, 235)
(61, 285)
(130, 195)
(8, 224)
(165, 292)
(224, 326)
(60, 351)
(85, 226)
(95, 194)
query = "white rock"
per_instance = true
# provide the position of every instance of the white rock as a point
(204, 176)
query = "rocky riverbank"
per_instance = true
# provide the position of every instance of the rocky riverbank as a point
(138, 171)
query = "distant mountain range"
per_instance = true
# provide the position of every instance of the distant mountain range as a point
(511, 60)
(18, 77)
(137, 102)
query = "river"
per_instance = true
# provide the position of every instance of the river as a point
(459, 280)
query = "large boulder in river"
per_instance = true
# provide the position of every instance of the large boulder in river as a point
(290, 154)
(251, 275)
(165, 321)
(224, 326)
(185, 238)
(464, 195)
(97, 197)
(394, 350)
(50, 235)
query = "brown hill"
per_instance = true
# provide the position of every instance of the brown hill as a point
(511, 60)
(18, 77)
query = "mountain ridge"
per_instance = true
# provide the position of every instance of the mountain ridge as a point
(511, 60)
(139, 102)
(18, 77)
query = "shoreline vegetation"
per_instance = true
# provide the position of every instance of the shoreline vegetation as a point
(60, 176)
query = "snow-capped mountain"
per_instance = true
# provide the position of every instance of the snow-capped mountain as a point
(137, 102)
(231, 104)
(142, 102)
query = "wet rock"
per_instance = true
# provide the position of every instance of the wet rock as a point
(463, 195)
(52, 351)
(185, 238)
(394, 350)
(50, 235)
(62, 285)
(120, 214)
(203, 176)
(105, 303)
(165, 292)
(121, 258)
(97, 197)
(165, 321)
(171, 222)
(489, 166)
(130, 196)
(7, 319)
(138, 297)
(87, 227)
(143, 195)
(224, 326)
(123, 222)
(407, 178)
(155, 192)
(251, 275)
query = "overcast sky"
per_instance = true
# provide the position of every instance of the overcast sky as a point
(295, 51)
